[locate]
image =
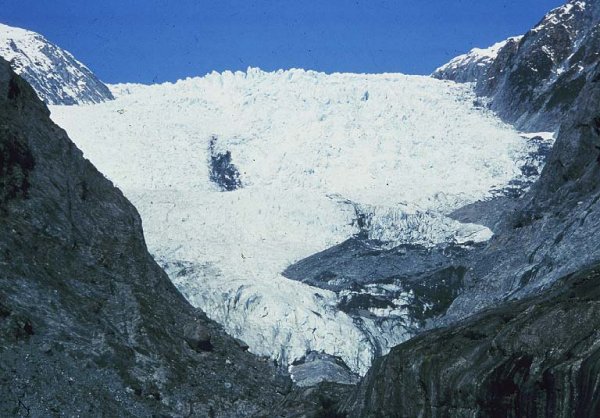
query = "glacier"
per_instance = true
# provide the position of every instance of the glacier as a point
(313, 151)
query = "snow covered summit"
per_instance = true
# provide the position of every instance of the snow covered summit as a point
(56, 76)
(471, 66)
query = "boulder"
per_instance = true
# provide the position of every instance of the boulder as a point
(197, 336)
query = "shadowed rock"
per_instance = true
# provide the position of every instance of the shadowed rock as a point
(538, 357)
(197, 336)
(89, 324)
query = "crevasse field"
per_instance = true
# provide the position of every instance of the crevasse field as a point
(310, 148)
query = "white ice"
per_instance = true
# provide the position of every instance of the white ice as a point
(309, 146)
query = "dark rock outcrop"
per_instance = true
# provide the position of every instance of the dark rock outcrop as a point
(316, 367)
(89, 324)
(538, 357)
(223, 173)
(198, 337)
(320, 401)
(421, 282)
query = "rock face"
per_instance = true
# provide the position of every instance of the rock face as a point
(321, 401)
(55, 75)
(550, 231)
(315, 368)
(537, 357)
(533, 81)
(89, 324)
(554, 228)
(198, 337)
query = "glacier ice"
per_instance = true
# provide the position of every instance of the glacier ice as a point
(311, 149)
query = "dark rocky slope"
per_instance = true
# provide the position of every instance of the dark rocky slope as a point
(534, 80)
(89, 324)
(553, 230)
(538, 357)
(549, 79)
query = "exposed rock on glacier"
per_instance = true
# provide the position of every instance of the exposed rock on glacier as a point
(222, 170)
(55, 75)
(315, 368)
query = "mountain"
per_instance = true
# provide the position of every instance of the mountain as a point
(537, 357)
(55, 75)
(531, 82)
(89, 323)
(548, 234)
(309, 162)
(324, 220)
(472, 66)
(521, 339)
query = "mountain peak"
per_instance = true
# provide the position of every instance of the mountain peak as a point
(55, 74)
(470, 67)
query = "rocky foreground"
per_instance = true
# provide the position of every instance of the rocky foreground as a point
(537, 357)
(89, 324)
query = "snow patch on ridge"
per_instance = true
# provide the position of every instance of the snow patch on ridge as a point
(407, 150)
(471, 66)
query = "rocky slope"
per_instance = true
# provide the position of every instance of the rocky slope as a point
(55, 75)
(538, 357)
(536, 352)
(533, 81)
(552, 231)
(89, 324)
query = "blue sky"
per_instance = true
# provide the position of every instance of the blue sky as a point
(164, 40)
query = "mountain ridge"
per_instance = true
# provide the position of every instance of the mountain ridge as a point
(531, 81)
(55, 74)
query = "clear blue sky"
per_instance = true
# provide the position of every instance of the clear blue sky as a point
(164, 40)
